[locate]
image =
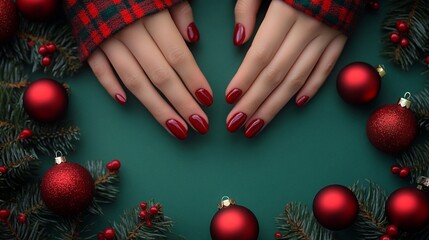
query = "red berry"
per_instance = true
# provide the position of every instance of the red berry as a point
(402, 26)
(277, 235)
(148, 222)
(43, 50)
(143, 214)
(395, 169)
(109, 233)
(405, 171)
(3, 169)
(100, 236)
(375, 5)
(143, 205)
(385, 237)
(46, 61)
(153, 210)
(392, 231)
(25, 133)
(427, 60)
(31, 43)
(51, 48)
(4, 214)
(404, 42)
(394, 37)
(114, 165)
(22, 218)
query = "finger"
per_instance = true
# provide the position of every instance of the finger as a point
(165, 34)
(321, 71)
(245, 18)
(101, 68)
(277, 23)
(182, 17)
(160, 73)
(136, 81)
(293, 81)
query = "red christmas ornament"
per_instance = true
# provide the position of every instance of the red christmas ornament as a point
(404, 172)
(22, 218)
(233, 222)
(109, 233)
(408, 208)
(4, 214)
(404, 42)
(38, 10)
(8, 20)
(46, 61)
(402, 26)
(392, 128)
(67, 188)
(359, 82)
(395, 38)
(3, 169)
(335, 207)
(392, 231)
(114, 165)
(25, 134)
(45, 100)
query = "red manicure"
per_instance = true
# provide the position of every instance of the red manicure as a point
(120, 99)
(177, 129)
(302, 101)
(204, 97)
(254, 127)
(193, 33)
(239, 34)
(199, 123)
(236, 122)
(233, 95)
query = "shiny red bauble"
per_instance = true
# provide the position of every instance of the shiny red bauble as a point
(8, 20)
(45, 100)
(38, 10)
(408, 209)
(359, 83)
(67, 188)
(335, 207)
(392, 128)
(234, 223)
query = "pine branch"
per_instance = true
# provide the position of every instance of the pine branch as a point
(296, 223)
(71, 228)
(20, 167)
(417, 159)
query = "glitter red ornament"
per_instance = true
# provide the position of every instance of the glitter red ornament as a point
(408, 208)
(38, 10)
(359, 82)
(45, 100)
(393, 127)
(67, 188)
(8, 20)
(335, 207)
(233, 222)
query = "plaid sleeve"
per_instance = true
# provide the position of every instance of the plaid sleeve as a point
(93, 21)
(338, 14)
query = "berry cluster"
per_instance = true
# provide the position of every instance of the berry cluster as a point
(401, 171)
(146, 215)
(45, 50)
(107, 234)
(391, 231)
(5, 214)
(113, 166)
(400, 37)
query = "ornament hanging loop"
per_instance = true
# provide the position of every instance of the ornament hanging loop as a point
(225, 202)
(381, 70)
(59, 158)
(405, 101)
(423, 183)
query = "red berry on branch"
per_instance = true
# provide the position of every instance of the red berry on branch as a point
(3, 169)
(143, 205)
(143, 214)
(43, 50)
(100, 236)
(404, 42)
(153, 210)
(405, 171)
(148, 222)
(31, 43)
(25, 134)
(385, 237)
(22, 218)
(427, 60)
(51, 48)
(395, 38)
(4, 214)
(395, 169)
(375, 5)
(109, 233)
(402, 26)
(392, 231)
(46, 61)
(278, 235)
(113, 165)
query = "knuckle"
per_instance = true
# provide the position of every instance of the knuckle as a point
(160, 77)
(131, 80)
(176, 55)
(295, 83)
(260, 55)
(273, 75)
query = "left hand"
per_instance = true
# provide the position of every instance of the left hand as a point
(292, 54)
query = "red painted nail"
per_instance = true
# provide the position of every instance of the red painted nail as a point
(176, 128)
(199, 123)
(239, 34)
(254, 127)
(193, 33)
(120, 99)
(233, 95)
(204, 97)
(302, 101)
(236, 121)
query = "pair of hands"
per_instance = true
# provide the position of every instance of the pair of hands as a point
(292, 54)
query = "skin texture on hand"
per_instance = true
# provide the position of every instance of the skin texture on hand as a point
(151, 54)
(292, 54)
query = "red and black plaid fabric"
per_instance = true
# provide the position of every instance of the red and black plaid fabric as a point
(338, 14)
(96, 20)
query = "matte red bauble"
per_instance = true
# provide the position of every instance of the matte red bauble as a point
(38, 10)
(408, 209)
(392, 128)
(234, 222)
(359, 82)
(45, 100)
(8, 20)
(67, 188)
(335, 207)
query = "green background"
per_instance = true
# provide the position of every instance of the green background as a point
(301, 151)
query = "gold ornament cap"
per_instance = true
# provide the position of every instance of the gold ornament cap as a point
(381, 70)
(226, 202)
(423, 183)
(59, 158)
(405, 101)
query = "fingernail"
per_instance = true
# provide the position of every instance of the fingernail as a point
(254, 127)
(177, 129)
(120, 99)
(233, 95)
(204, 97)
(193, 33)
(236, 122)
(199, 123)
(239, 34)
(302, 101)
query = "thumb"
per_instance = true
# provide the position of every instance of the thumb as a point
(245, 18)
